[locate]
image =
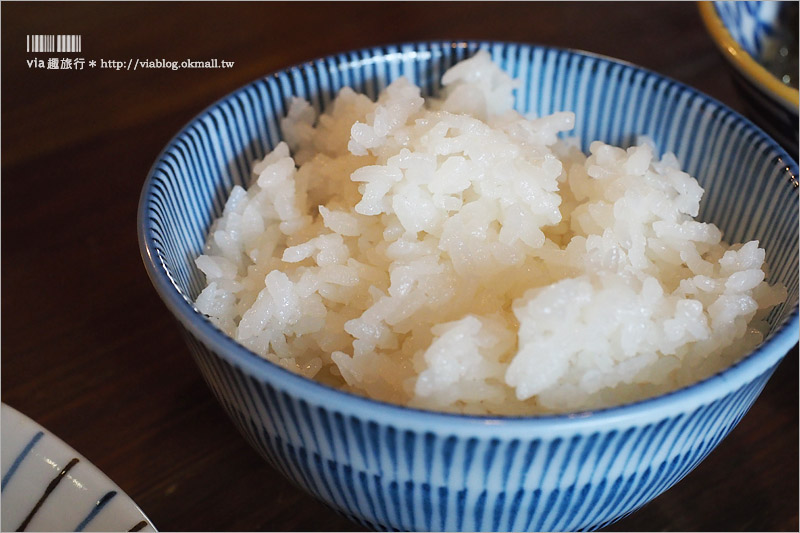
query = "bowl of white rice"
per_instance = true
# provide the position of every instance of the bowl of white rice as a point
(477, 286)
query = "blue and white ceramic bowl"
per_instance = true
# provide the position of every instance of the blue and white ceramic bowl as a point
(390, 467)
(759, 40)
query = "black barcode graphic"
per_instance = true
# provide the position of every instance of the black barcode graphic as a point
(54, 43)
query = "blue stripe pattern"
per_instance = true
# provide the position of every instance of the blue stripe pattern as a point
(96, 509)
(389, 467)
(756, 27)
(550, 483)
(752, 24)
(18, 460)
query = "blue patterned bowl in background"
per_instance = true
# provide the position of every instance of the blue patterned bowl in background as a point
(390, 467)
(759, 40)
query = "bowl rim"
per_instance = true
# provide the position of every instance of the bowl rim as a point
(764, 358)
(744, 62)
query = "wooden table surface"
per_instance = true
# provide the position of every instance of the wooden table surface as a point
(90, 352)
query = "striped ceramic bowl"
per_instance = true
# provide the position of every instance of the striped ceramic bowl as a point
(759, 41)
(390, 467)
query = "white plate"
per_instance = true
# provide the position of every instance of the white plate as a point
(47, 486)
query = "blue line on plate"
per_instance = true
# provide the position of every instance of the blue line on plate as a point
(25, 451)
(96, 509)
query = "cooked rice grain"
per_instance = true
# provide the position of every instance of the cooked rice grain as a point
(453, 255)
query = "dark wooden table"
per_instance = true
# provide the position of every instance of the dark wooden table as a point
(90, 352)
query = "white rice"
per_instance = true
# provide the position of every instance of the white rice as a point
(453, 255)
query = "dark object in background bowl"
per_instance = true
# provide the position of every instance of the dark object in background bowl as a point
(391, 467)
(759, 40)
